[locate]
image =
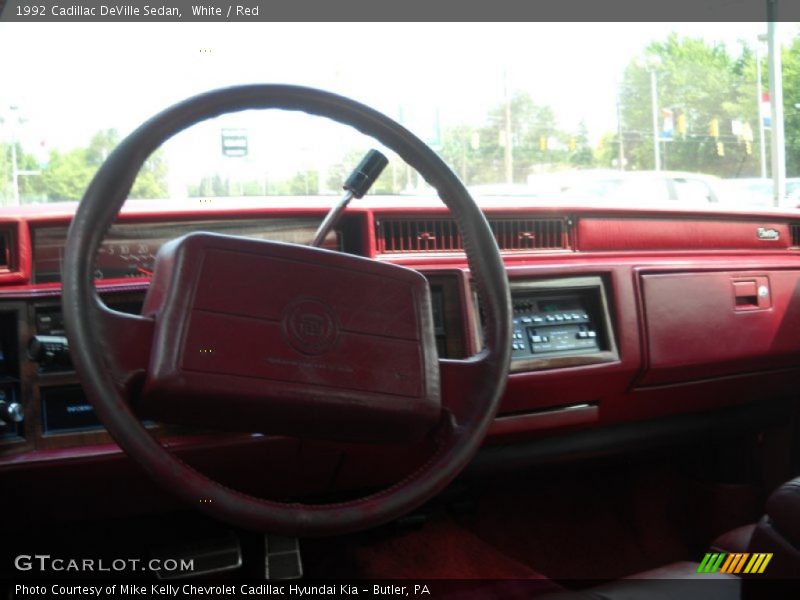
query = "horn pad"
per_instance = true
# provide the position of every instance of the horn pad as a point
(279, 338)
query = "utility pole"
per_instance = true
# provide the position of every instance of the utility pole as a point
(656, 141)
(16, 172)
(759, 100)
(15, 121)
(776, 104)
(621, 156)
(508, 154)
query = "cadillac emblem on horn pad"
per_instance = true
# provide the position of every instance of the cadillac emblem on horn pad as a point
(309, 325)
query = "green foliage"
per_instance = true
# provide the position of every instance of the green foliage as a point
(68, 173)
(478, 154)
(529, 123)
(582, 155)
(607, 151)
(5, 171)
(702, 81)
(151, 182)
(303, 183)
(210, 186)
(791, 96)
(697, 79)
(100, 146)
(29, 185)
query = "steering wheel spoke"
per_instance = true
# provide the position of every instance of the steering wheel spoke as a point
(125, 340)
(462, 382)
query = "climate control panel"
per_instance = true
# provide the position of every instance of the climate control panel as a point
(551, 324)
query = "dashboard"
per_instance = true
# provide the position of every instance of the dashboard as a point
(129, 250)
(619, 316)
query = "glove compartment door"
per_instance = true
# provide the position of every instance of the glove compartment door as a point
(701, 325)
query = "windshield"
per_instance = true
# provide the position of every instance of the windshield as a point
(513, 108)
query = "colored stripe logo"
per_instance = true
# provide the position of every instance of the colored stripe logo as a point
(734, 564)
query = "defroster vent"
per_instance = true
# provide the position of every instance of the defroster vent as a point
(405, 236)
(794, 230)
(6, 249)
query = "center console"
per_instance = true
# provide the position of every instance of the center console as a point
(42, 405)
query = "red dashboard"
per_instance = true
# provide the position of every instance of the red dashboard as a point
(620, 316)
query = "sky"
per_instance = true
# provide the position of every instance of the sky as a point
(71, 80)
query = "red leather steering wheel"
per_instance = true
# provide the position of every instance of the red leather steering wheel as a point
(313, 332)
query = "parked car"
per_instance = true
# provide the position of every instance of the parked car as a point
(758, 192)
(640, 187)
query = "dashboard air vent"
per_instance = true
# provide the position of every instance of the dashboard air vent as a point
(6, 245)
(404, 236)
(794, 229)
(531, 234)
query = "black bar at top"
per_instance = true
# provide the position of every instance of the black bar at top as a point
(397, 10)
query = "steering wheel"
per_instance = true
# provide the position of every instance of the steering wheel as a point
(334, 345)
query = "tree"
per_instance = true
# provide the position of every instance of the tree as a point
(478, 153)
(702, 82)
(5, 172)
(151, 182)
(791, 96)
(67, 175)
(531, 123)
(581, 154)
(461, 150)
(100, 146)
(29, 185)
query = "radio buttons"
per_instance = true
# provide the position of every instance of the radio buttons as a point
(552, 325)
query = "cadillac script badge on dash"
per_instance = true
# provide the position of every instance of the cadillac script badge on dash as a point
(767, 233)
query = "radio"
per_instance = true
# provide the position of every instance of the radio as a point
(551, 324)
(561, 322)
